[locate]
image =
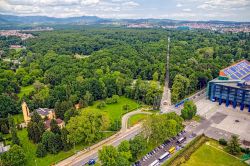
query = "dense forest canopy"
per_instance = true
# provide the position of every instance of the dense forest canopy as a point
(67, 67)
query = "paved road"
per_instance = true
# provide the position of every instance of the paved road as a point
(125, 133)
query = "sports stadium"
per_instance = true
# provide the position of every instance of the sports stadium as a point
(232, 87)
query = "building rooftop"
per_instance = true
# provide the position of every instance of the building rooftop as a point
(43, 111)
(238, 71)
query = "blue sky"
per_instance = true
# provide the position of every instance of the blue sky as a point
(234, 10)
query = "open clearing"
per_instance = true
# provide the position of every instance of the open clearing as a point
(114, 111)
(210, 156)
(136, 119)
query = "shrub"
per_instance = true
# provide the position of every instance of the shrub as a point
(114, 99)
(41, 151)
(109, 101)
(223, 141)
(101, 105)
(126, 107)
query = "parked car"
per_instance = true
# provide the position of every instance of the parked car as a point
(91, 162)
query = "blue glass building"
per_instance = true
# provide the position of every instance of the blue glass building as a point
(232, 87)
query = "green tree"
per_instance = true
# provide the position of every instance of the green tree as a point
(88, 98)
(180, 87)
(52, 142)
(87, 127)
(155, 76)
(108, 156)
(65, 143)
(4, 129)
(11, 121)
(124, 146)
(54, 127)
(101, 105)
(14, 137)
(70, 113)
(14, 157)
(41, 150)
(137, 146)
(158, 128)
(36, 117)
(7, 106)
(126, 107)
(189, 110)
(62, 107)
(234, 145)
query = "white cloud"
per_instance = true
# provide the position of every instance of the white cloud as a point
(130, 4)
(223, 4)
(179, 5)
(187, 10)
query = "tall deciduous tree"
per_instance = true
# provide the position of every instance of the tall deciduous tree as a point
(54, 127)
(189, 110)
(14, 157)
(41, 150)
(87, 127)
(234, 145)
(137, 146)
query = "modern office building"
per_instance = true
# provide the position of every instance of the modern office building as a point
(232, 87)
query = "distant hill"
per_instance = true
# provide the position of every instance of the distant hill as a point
(10, 20)
(45, 19)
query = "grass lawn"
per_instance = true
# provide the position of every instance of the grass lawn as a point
(30, 151)
(25, 90)
(114, 111)
(136, 119)
(210, 156)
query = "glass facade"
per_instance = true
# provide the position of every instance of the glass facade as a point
(229, 95)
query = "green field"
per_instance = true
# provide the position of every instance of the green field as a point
(136, 119)
(25, 90)
(210, 156)
(114, 111)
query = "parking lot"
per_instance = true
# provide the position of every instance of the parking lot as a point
(156, 153)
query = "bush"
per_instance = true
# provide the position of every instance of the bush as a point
(101, 105)
(4, 129)
(109, 101)
(126, 107)
(245, 150)
(114, 99)
(223, 141)
(41, 151)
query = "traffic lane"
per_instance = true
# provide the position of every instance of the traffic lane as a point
(173, 142)
(94, 155)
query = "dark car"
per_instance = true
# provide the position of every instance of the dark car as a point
(91, 162)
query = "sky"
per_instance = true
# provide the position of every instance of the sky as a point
(228, 10)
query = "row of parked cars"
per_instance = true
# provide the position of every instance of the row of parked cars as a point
(179, 139)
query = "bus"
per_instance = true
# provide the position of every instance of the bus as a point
(181, 140)
(171, 150)
(155, 163)
(164, 156)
